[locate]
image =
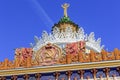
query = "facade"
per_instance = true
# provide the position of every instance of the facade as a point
(67, 53)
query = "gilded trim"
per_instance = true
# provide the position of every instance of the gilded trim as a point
(46, 69)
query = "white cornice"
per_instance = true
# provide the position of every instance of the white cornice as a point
(68, 36)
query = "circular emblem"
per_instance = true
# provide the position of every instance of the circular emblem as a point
(48, 54)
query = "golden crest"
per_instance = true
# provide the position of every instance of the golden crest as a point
(48, 54)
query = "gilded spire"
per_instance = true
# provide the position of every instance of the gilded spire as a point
(65, 6)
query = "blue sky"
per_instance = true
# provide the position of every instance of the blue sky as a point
(21, 20)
